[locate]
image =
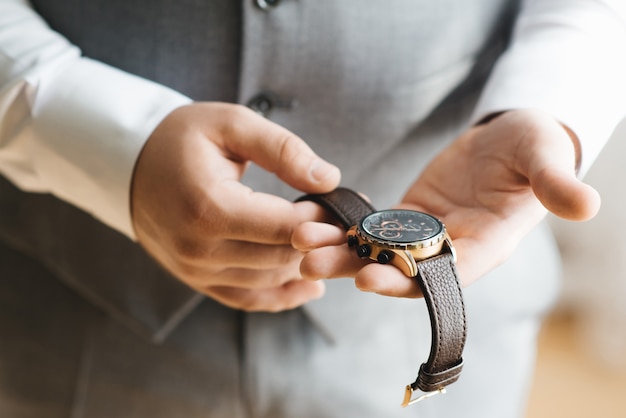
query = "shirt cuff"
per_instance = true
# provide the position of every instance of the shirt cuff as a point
(89, 124)
(565, 58)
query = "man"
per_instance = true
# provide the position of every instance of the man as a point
(224, 315)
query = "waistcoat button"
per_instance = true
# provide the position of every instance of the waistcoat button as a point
(266, 4)
(262, 103)
(265, 101)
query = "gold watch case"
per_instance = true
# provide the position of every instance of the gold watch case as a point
(401, 238)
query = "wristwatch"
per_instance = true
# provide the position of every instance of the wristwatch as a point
(417, 243)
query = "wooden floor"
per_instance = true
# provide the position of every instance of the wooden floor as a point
(569, 382)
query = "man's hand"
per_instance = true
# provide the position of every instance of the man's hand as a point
(194, 217)
(490, 187)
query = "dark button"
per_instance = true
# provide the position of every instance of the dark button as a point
(364, 250)
(264, 102)
(385, 257)
(266, 4)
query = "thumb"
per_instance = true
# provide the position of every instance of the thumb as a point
(554, 180)
(276, 149)
(564, 195)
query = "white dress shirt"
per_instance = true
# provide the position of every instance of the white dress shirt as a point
(74, 127)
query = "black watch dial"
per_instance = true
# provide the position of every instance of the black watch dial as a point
(401, 226)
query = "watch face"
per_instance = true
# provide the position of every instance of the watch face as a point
(401, 226)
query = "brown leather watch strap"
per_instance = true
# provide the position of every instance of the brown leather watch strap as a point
(438, 280)
(345, 204)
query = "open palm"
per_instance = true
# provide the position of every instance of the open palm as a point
(490, 187)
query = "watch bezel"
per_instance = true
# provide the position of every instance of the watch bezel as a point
(434, 240)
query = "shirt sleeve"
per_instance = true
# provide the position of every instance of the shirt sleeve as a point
(566, 57)
(69, 125)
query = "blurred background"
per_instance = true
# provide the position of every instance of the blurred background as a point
(581, 363)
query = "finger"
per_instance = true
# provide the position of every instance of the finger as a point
(331, 262)
(288, 296)
(188, 255)
(548, 158)
(245, 215)
(311, 235)
(245, 278)
(254, 138)
(386, 280)
(243, 254)
(566, 196)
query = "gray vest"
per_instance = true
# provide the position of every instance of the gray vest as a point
(383, 84)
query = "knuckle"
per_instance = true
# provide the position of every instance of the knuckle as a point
(188, 249)
(277, 280)
(276, 308)
(251, 303)
(293, 259)
(244, 300)
(194, 210)
(189, 273)
(285, 256)
(268, 280)
(236, 110)
(290, 149)
(232, 114)
(204, 213)
(281, 233)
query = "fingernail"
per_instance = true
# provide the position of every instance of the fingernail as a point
(321, 170)
(321, 290)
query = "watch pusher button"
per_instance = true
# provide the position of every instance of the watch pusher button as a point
(385, 257)
(353, 241)
(364, 250)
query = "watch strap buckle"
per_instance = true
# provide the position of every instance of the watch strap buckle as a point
(409, 393)
(428, 385)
